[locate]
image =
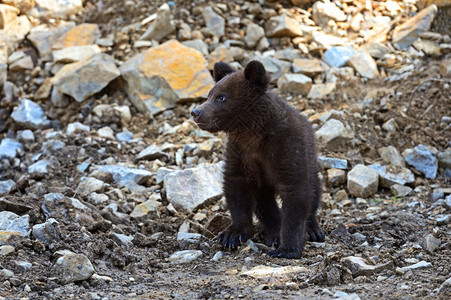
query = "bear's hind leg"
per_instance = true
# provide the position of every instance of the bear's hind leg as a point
(269, 215)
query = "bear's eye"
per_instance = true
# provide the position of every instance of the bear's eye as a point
(221, 98)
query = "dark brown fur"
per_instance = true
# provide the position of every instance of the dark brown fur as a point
(270, 151)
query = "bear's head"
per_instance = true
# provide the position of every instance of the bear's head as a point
(232, 101)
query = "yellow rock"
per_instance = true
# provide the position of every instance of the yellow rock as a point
(183, 68)
(165, 75)
(83, 34)
(7, 14)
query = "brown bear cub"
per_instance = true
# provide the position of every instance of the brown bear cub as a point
(270, 151)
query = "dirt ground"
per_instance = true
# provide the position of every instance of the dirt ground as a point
(394, 228)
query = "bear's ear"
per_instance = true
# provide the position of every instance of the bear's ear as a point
(255, 72)
(220, 70)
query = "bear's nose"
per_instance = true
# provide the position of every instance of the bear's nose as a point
(195, 113)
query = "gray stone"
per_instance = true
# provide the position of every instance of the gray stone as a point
(194, 187)
(283, 25)
(401, 190)
(197, 44)
(215, 23)
(6, 250)
(86, 77)
(423, 160)
(151, 153)
(274, 66)
(40, 168)
(391, 174)
(390, 125)
(322, 90)
(6, 274)
(25, 136)
(294, 83)
(90, 185)
(254, 34)
(12, 224)
(161, 26)
(76, 127)
(363, 63)
(6, 186)
(420, 265)
(430, 243)
(75, 53)
(72, 267)
(43, 37)
(358, 266)
(324, 11)
(218, 256)
(185, 256)
(274, 272)
(334, 133)
(445, 67)
(10, 148)
(332, 163)
(288, 54)
(59, 9)
(336, 177)
(52, 146)
(338, 56)
(48, 232)
(30, 114)
(345, 296)
(123, 239)
(362, 181)
(123, 175)
(437, 194)
(162, 172)
(392, 156)
(376, 50)
(407, 33)
(106, 132)
(185, 239)
(124, 136)
(444, 158)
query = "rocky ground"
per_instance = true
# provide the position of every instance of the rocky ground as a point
(108, 190)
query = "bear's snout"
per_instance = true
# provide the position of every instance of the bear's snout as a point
(195, 113)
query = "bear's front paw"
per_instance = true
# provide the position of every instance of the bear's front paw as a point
(315, 233)
(233, 236)
(283, 252)
(272, 238)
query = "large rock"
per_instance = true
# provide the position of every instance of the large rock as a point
(407, 33)
(10, 148)
(185, 256)
(14, 32)
(40, 168)
(274, 272)
(358, 266)
(391, 174)
(164, 75)
(423, 160)
(334, 133)
(295, 83)
(72, 267)
(90, 185)
(146, 210)
(59, 9)
(75, 53)
(327, 41)
(192, 188)
(283, 25)
(332, 163)
(362, 181)
(123, 175)
(43, 37)
(30, 115)
(325, 11)
(363, 63)
(322, 90)
(83, 34)
(12, 224)
(254, 34)
(152, 152)
(215, 23)
(161, 26)
(86, 77)
(338, 56)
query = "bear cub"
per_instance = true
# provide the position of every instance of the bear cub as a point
(270, 151)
